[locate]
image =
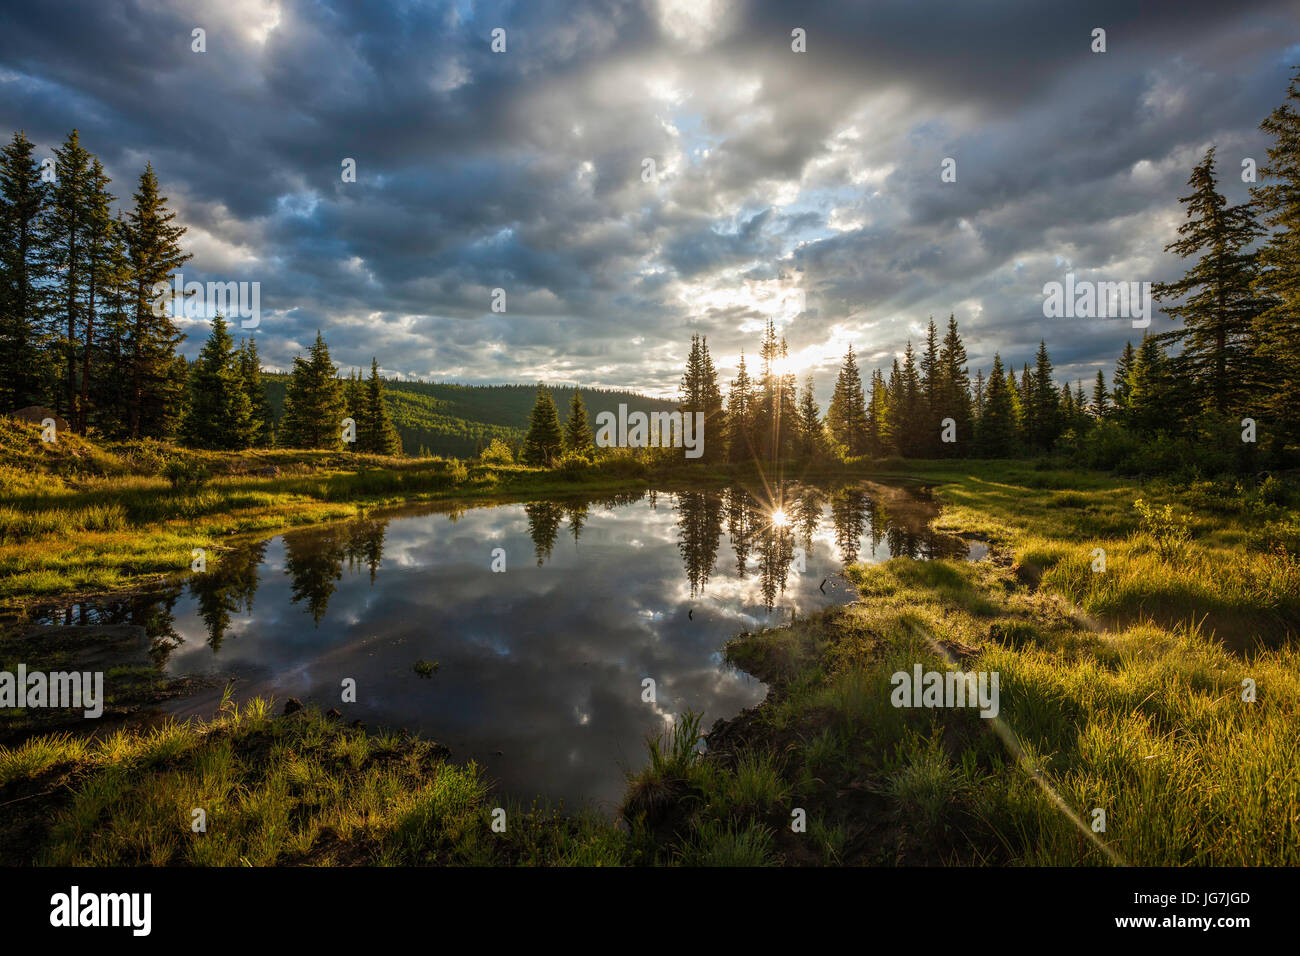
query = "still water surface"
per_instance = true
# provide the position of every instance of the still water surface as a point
(540, 666)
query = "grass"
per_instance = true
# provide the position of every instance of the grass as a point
(1121, 690)
(1223, 556)
(298, 790)
(1127, 638)
(81, 518)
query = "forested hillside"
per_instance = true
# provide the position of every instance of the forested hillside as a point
(459, 420)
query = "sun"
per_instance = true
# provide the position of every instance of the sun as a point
(780, 519)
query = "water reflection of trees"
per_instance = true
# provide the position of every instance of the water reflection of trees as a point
(315, 559)
(699, 528)
(850, 513)
(544, 519)
(752, 531)
(577, 519)
(314, 562)
(860, 516)
(154, 610)
(225, 589)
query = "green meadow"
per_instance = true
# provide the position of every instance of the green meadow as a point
(1122, 685)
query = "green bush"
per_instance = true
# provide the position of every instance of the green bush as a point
(1169, 532)
(1108, 444)
(497, 453)
(185, 474)
(573, 465)
(143, 456)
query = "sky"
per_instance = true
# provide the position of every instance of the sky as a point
(804, 187)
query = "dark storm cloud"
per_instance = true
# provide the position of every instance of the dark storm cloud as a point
(775, 170)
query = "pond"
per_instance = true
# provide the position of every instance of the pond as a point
(544, 619)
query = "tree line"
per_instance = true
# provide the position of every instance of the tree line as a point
(1206, 393)
(228, 408)
(79, 332)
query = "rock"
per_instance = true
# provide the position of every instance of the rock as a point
(332, 714)
(292, 706)
(357, 724)
(37, 414)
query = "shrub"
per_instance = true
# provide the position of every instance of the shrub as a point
(185, 474)
(144, 456)
(1107, 445)
(1274, 491)
(573, 465)
(497, 453)
(1168, 532)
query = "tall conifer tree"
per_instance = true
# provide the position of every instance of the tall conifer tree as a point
(314, 406)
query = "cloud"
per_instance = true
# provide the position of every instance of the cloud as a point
(776, 172)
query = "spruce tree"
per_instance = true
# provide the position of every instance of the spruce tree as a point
(577, 429)
(67, 224)
(376, 433)
(877, 415)
(913, 441)
(846, 417)
(767, 414)
(153, 247)
(314, 406)
(1081, 418)
(1027, 406)
(24, 263)
(890, 420)
(1215, 299)
(545, 442)
(108, 399)
(217, 414)
(788, 436)
(1044, 399)
(931, 383)
(1149, 383)
(810, 420)
(996, 435)
(691, 385)
(1278, 325)
(354, 401)
(1066, 409)
(1019, 414)
(1119, 392)
(740, 416)
(102, 261)
(250, 370)
(953, 385)
(711, 397)
(1100, 398)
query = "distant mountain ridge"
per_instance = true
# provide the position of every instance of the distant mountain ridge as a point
(460, 420)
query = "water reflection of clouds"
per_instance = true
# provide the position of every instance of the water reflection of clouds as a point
(542, 663)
